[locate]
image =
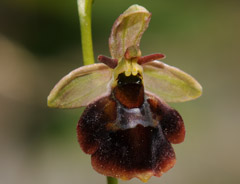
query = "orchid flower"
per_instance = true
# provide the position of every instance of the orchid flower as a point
(127, 126)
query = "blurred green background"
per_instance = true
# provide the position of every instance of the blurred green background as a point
(40, 43)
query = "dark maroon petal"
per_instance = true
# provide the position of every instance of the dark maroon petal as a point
(119, 151)
(91, 128)
(112, 63)
(170, 120)
(145, 59)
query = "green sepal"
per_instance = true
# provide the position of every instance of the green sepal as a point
(81, 87)
(170, 83)
(128, 29)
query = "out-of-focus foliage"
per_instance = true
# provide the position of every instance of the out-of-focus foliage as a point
(40, 43)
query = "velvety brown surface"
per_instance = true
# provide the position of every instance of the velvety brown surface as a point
(129, 91)
(141, 149)
(132, 97)
(170, 120)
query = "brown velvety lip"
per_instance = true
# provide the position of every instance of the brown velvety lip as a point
(142, 151)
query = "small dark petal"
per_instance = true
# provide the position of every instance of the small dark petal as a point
(173, 127)
(145, 59)
(170, 120)
(91, 126)
(112, 63)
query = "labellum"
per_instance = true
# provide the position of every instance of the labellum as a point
(127, 126)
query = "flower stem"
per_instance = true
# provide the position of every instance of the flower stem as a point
(85, 14)
(111, 180)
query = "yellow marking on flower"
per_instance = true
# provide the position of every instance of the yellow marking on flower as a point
(124, 178)
(136, 68)
(129, 67)
(144, 177)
